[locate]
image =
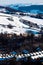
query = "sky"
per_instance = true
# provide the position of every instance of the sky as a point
(7, 2)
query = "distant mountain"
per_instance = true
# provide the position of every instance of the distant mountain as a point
(8, 10)
(11, 9)
(1, 6)
(32, 8)
(23, 8)
(27, 8)
(16, 6)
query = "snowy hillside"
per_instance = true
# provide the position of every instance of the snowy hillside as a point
(14, 24)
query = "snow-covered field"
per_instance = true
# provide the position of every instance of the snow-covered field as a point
(17, 26)
(34, 20)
